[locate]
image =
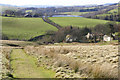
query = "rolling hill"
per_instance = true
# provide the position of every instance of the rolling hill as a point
(111, 12)
(77, 21)
(24, 28)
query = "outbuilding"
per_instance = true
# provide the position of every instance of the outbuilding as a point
(107, 38)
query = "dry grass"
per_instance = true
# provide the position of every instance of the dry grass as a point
(5, 61)
(104, 71)
(60, 50)
(60, 59)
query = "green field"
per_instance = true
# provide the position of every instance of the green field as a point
(24, 28)
(113, 12)
(74, 13)
(24, 66)
(77, 21)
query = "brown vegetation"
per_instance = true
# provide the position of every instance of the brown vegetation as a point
(75, 59)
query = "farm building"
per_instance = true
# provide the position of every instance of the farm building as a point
(107, 38)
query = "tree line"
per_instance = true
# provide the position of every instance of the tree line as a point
(97, 14)
(98, 32)
(78, 33)
(111, 17)
(13, 13)
(38, 12)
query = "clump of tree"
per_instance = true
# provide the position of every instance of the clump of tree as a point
(20, 13)
(89, 10)
(107, 28)
(60, 35)
(13, 13)
(107, 17)
(9, 13)
(75, 32)
(79, 34)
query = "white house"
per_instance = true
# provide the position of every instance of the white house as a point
(70, 38)
(107, 38)
(88, 36)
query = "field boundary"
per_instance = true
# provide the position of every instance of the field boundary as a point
(47, 20)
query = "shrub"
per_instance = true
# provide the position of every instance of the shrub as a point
(9, 75)
(101, 29)
(77, 32)
(4, 37)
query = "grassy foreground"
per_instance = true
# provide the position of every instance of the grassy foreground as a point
(24, 66)
(24, 28)
(77, 21)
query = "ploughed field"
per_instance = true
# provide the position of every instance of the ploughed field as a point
(24, 28)
(77, 21)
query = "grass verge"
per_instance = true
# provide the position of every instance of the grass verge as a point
(24, 66)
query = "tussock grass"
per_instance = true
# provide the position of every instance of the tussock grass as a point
(92, 71)
(5, 53)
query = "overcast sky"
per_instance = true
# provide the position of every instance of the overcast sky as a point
(56, 2)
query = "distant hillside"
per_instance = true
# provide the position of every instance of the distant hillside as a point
(109, 9)
(113, 12)
(45, 6)
(58, 9)
(9, 7)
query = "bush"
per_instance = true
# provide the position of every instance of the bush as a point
(60, 35)
(4, 37)
(77, 32)
(101, 29)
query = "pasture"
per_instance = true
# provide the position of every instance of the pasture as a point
(113, 12)
(74, 13)
(24, 28)
(77, 21)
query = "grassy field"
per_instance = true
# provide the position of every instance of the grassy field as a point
(77, 21)
(24, 28)
(24, 66)
(113, 12)
(75, 13)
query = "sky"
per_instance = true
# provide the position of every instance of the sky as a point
(56, 2)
